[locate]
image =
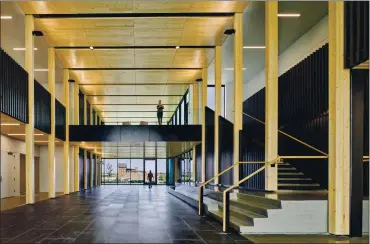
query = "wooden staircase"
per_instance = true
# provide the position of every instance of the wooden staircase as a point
(290, 178)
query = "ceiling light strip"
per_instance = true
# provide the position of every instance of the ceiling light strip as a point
(289, 15)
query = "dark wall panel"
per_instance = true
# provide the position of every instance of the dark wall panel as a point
(356, 29)
(88, 113)
(81, 169)
(94, 170)
(88, 170)
(42, 111)
(253, 140)
(226, 142)
(199, 162)
(210, 143)
(13, 88)
(60, 120)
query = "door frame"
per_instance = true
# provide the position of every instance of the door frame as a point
(155, 170)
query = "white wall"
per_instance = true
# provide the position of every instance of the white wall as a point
(11, 163)
(44, 169)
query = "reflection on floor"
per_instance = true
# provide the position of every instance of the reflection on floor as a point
(112, 214)
(13, 202)
(304, 239)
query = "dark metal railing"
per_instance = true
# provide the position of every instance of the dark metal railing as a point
(13, 88)
(42, 112)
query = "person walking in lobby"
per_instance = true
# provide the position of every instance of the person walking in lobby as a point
(160, 108)
(150, 178)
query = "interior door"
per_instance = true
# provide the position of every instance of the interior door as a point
(5, 175)
(150, 165)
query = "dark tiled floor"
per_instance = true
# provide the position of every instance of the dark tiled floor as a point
(111, 214)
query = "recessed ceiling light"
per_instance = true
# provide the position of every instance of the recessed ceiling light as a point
(22, 49)
(231, 69)
(10, 124)
(6, 17)
(91, 48)
(254, 47)
(41, 70)
(177, 47)
(289, 15)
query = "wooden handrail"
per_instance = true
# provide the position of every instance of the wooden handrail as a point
(219, 174)
(297, 157)
(290, 136)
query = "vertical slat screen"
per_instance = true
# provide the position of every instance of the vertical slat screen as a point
(13, 88)
(303, 113)
(81, 168)
(356, 29)
(42, 113)
(226, 142)
(199, 162)
(210, 142)
(60, 120)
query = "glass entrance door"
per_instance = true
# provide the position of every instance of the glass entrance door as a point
(150, 165)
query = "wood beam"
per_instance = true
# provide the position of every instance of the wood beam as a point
(204, 104)
(51, 137)
(66, 142)
(339, 124)
(76, 148)
(271, 98)
(29, 64)
(196, 103)
(218, 99)
(238, 87)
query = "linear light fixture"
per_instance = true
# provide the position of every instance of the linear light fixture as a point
(6, 17)
(5, 124)
(37, 134)
(231, 69)
(23, 49)
(41, 70)
(291, 15)
(254, 47)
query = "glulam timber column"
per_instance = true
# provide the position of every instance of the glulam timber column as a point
(339, 125)
(51, 137)
(85, 151)
(204, 104)
(76, 148)
(29, 61)
(238, 87)
(66, 142)
(196, 103)
(218, 66)
(271, 109)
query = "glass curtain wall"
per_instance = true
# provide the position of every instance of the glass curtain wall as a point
(186, 167)
(180, 116)
(132, 171)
